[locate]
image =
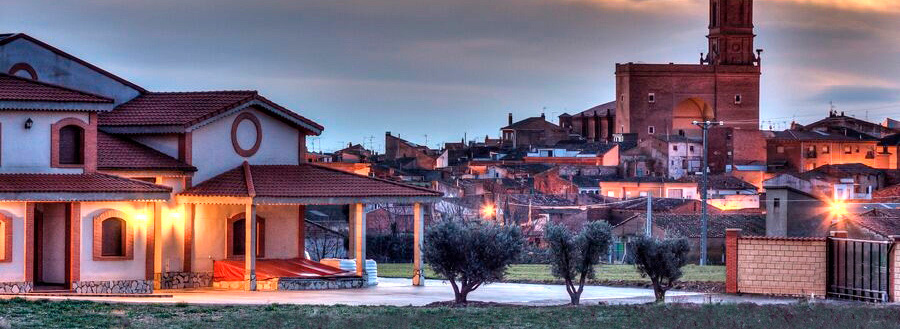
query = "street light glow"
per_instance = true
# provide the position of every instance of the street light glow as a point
(488, 211)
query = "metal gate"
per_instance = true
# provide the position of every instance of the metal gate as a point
(858, 269)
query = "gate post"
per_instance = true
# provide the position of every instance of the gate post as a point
(894, 269)
(731, 260)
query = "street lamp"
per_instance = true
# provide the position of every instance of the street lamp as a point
(704, 190)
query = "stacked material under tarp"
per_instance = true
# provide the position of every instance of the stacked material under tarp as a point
(349, 265)
(233, 270)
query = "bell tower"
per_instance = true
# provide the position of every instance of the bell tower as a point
(731, 33)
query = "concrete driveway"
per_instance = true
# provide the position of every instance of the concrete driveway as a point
(400, 292)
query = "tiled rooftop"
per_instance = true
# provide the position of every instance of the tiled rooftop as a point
(115, 152)
(13, 88)
(301, 181)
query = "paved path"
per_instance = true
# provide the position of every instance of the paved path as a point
(400, 292)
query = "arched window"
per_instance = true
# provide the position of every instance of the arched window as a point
(71, 145)
(113, 236)
(6, 237)
(237, 237)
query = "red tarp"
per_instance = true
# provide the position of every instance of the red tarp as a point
(233, 270)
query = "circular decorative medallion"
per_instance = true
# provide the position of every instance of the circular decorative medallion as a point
(245, 141)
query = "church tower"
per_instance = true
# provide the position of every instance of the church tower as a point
(731, 33)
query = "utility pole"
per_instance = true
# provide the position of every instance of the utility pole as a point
(704, 189)
(648, 226)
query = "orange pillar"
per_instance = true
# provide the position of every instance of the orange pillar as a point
(731, 260)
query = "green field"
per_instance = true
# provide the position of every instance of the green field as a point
(541, 273)
(18, 313)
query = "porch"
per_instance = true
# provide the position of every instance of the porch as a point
(265, 206)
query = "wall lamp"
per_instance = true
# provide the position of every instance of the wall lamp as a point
(28, 123)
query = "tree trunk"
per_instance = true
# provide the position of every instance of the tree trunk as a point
(462, 296)
(576, 297)
(660, 294)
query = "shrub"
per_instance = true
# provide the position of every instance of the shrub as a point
(661, 261)
(573, 256)
(471, 254)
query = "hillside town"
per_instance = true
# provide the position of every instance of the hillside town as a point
(111, 191)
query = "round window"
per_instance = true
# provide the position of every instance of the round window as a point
(246, 134)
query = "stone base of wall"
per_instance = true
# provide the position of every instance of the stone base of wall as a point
(15, 287)
(183, 280)
(292, 284)
(113, 287)
(320, 284)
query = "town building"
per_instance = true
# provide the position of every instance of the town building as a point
(413, 156)
(596, 124)
(534, 131)
(106, 187)
(657, 187)
(661, 99)
(799, 151)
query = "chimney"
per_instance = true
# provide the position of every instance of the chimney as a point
(510, 119)
(543, 117)
(387, 133)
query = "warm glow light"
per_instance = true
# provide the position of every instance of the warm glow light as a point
(488, 211)
(838, 208)
(175, 215)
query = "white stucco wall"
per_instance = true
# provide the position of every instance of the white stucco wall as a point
(165, 143)
(210, 229)
(59, 70)
(28, 150)
(213, 153)
(134, 269)
(14, 271)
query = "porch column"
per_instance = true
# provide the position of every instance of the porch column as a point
(73, 272)
(301, 232)
(188, 249)
(158, 246)
(29, 242)
(150, 254)
(418, 230)
(351, 232)
(359, 237)
(250, 247)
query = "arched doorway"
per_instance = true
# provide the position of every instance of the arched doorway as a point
(686, 112)
(236, 239)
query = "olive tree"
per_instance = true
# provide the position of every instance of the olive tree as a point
(661, 261)
(573, 257)
(471, 254)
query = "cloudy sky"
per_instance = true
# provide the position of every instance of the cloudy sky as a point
(443, 68)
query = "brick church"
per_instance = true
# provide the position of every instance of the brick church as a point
(656, 101)
(661, 99)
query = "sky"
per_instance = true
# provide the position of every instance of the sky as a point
(433, 71)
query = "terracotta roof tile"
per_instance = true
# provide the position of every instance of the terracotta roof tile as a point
(302, 181)
(75, 183)
(13, 88)
(185, 108)
(114, 152)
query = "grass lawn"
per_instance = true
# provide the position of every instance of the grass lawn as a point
(18, 313)
(541, 273)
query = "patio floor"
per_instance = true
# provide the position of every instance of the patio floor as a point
(400, 292)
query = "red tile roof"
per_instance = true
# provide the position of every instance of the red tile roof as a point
(13, 88)
(185, 108)
(115, 152)
(75, 183)
(301, 181)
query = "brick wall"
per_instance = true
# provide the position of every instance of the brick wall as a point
(776, 265)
